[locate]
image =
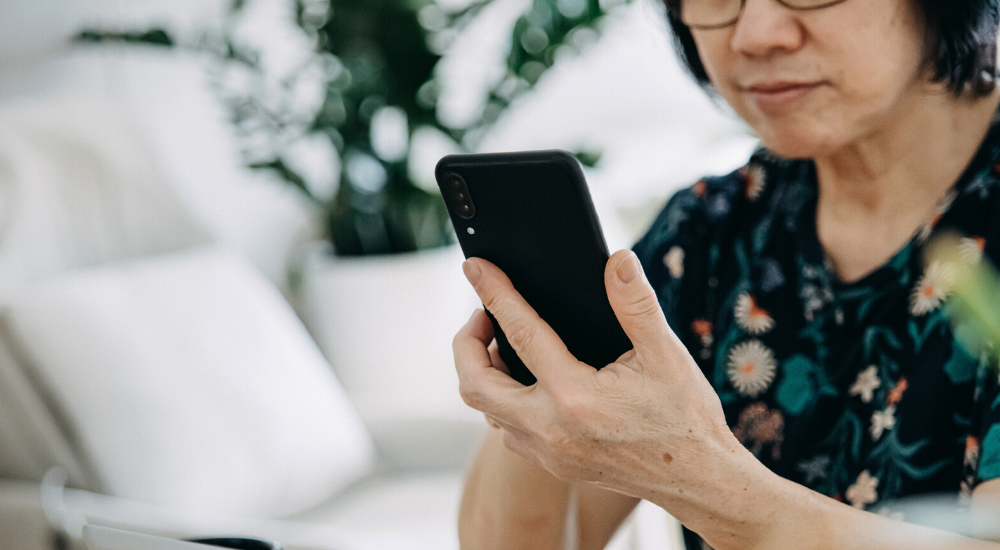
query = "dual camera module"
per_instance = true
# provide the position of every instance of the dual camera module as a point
(458, 193)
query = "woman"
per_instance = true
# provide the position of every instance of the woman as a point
(807, 355)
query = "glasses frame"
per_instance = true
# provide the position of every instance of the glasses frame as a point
(675, 6)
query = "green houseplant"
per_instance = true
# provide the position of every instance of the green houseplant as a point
(377, 61)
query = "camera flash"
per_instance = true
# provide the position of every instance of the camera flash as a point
(471, 231)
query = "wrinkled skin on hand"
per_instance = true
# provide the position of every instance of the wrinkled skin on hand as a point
(640, 426)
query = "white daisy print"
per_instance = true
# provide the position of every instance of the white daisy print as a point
(814, 469)
(970, 249)
(751, 368)
(674, 260)
(924, 232)
(866, 384)
(933, 288)
(703, 329)
(754, 176)
(965, 490)
(752, 318)
(943, 205)
(882, 421)
(863, 492)
(971, 452)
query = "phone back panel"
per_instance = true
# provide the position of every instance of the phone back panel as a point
(534, 219)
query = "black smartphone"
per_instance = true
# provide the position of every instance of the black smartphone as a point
(531, 215)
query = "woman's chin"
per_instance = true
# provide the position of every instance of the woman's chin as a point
(796, 144)
(798, 134)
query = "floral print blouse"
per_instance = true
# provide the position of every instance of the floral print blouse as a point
(859, 390)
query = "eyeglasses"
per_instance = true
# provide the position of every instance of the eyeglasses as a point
(716, 14)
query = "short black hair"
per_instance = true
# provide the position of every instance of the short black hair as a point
(961, 43)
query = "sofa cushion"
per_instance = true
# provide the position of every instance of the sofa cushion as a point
(79, 187)
(188, 381)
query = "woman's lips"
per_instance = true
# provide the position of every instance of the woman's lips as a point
(777, 96)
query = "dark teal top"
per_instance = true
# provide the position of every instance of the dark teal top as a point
(859, 391)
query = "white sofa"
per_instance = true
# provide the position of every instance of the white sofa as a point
(144, 345)
(141, 324)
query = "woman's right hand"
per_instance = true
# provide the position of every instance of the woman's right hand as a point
(510, 502)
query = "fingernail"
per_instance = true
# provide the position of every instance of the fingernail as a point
(472, 272)
(629, 270)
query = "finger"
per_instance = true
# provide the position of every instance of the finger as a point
(482, 386)
(469, 344)
(498, 363)
(636, 305)
(533, 339)
(479, 327)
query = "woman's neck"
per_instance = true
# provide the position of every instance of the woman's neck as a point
(876, 192)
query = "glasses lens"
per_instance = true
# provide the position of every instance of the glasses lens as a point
(710, 13)
(810, 4)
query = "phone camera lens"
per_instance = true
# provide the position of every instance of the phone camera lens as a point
(458, 191)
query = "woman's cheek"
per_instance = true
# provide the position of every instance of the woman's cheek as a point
(713, 50)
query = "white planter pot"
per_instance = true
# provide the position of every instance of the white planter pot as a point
(386, 324)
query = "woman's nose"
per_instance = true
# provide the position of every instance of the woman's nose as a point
(765, 28)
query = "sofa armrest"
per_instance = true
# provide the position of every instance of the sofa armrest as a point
(22, 519)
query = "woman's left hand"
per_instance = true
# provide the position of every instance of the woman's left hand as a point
(648, 425)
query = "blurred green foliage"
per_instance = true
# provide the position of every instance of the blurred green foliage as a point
(152, 37)
(974, 305)
(379, 54)
(975, 309)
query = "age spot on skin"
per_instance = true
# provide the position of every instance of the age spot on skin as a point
(668, 458)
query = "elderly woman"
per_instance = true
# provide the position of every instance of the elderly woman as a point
(793, 371)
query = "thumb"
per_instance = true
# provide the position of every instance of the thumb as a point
(636, 306)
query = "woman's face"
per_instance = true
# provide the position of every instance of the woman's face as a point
(812, 82)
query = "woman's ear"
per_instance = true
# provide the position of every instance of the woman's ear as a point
(985, 80)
